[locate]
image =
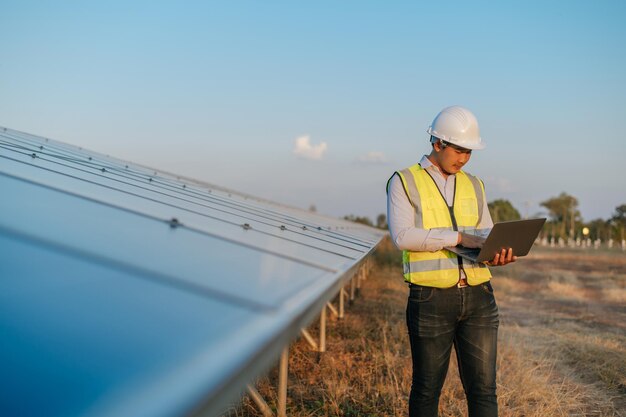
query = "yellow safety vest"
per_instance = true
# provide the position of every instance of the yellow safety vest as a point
(442, 268)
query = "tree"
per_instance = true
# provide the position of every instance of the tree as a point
(620, 215)
(381, 221)
(599, 229)
(502, 211)
(359, 219)
(564, 215)
(618, 221)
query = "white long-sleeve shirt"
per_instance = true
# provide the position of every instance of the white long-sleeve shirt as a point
(401, 215)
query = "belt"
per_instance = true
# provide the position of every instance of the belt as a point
(461, 284)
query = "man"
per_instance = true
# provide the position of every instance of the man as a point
(430, 206)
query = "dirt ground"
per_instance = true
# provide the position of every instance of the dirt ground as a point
(561, 348)
(569, 308)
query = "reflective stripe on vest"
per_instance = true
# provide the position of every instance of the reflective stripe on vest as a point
(441, 268)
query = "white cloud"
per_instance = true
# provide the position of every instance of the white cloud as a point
(374, 158)
(304, 149)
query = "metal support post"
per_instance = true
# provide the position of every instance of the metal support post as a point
(332, 308)
(282, 383)
(323, 330)
(309, 338)
(342, 294)
(352, 288)
(260, 402)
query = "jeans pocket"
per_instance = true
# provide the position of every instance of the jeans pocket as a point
(486, 286)
(421, 294)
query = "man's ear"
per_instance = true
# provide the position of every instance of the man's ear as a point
(437, 146)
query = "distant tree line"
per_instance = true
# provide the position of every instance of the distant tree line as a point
(381, 220)
(564, 219)
(503, 211)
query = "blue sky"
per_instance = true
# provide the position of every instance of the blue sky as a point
(225, 91)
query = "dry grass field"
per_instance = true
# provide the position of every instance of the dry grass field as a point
(562, 344)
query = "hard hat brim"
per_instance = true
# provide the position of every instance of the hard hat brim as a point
(472, 146)
(478, 145)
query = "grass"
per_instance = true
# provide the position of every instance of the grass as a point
(560, 353)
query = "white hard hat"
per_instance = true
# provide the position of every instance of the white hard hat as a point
(457, 125)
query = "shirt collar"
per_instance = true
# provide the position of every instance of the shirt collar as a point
(426, 164)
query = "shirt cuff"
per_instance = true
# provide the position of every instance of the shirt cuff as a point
(443, 238)
(450, 238)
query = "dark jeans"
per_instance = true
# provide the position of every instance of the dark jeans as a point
(437, 318)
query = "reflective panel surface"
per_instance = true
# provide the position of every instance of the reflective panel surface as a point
(125, 291)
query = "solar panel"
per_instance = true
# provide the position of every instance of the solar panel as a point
(127, 291)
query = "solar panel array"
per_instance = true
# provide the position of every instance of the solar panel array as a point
(126, 292)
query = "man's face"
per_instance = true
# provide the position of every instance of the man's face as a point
(451, 158)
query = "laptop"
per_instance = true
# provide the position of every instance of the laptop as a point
(517, 234)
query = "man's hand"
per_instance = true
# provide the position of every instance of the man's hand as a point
(502, 258)
(470, 241)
